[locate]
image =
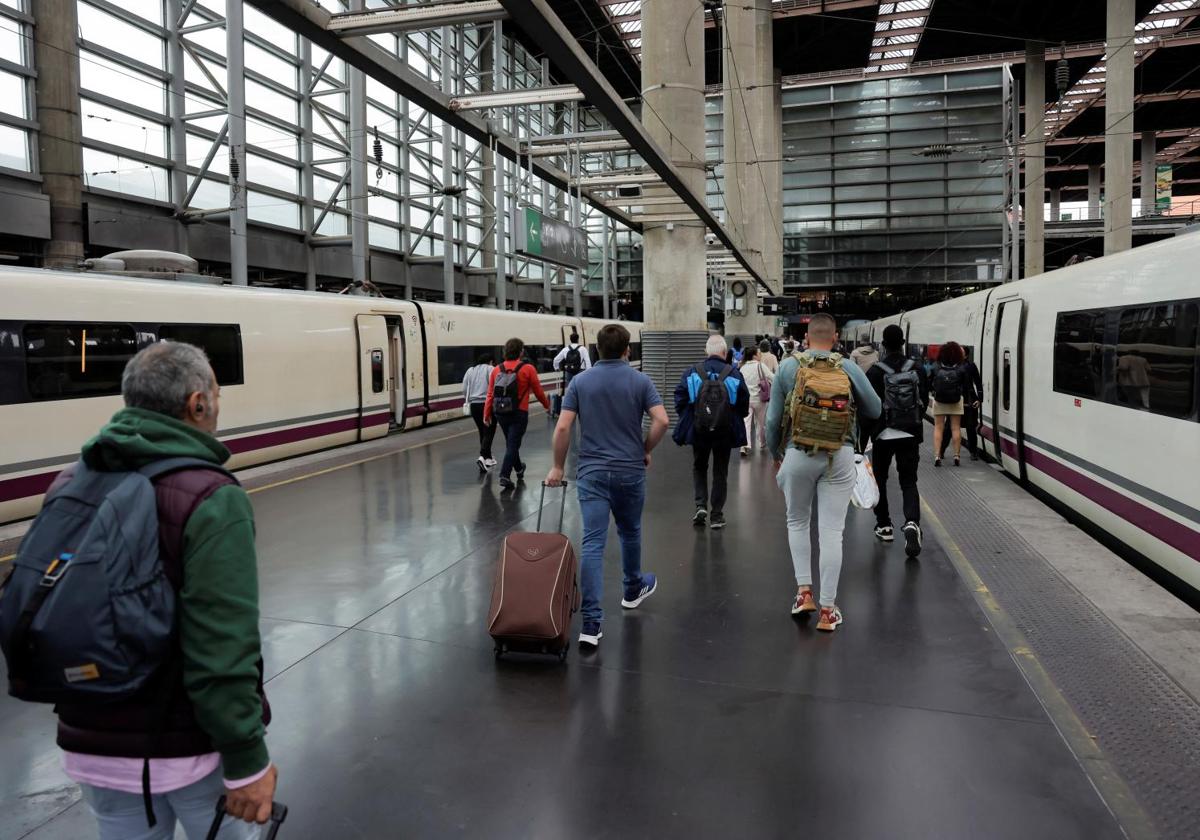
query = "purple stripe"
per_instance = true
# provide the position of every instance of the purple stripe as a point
(1174, 533)
(36, 485)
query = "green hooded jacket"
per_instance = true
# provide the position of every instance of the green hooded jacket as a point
(218, 604)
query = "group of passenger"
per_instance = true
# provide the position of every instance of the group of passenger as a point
(203, 720)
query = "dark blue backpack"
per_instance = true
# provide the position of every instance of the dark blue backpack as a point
(88, 614)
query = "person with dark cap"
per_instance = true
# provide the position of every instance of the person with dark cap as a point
(903, 388)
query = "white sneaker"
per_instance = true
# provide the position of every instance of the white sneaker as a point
(491, 463)
(482, 464)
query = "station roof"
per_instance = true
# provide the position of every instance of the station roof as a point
(822, 40)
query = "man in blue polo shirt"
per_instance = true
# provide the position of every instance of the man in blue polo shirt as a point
(610, 399)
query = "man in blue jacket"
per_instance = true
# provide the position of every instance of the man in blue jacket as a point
(718, 443)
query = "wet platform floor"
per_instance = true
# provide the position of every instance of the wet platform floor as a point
(707, 712)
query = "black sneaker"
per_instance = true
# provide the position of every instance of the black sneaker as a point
(885, 533)
(506, 484)
(481, 462)
(716, 521)
(700, 517)
(590, 635)
(912, 539)
(521, 472)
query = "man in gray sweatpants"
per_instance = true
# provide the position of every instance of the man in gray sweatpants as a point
(802, 475)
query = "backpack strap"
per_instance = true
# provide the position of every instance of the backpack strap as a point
(158, 469)
(725, 371)
(889, 371)
(908, 365)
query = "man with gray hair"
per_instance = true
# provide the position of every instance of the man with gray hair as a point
(712, 402)
(165, 754)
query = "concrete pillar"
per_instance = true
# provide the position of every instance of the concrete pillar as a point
(60, 155)
(1149, 150)
(1093, 211)
(235, 56)
(1055, 203)
(177, 109)
(1118, 127)
(674, 278)
(1035, 158)
(673, 112)
(753, 169)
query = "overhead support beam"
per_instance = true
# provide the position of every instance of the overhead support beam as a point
(520, 96)
(541, 24)
(645, 201)
(585, 148)
(412, 18)
(618, 179)
(797, 8)
(311, 21)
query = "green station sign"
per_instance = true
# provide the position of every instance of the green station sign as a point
(537, 235)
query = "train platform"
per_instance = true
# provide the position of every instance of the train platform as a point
(1017, 680)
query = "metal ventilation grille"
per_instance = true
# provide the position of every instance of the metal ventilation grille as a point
(665, 355)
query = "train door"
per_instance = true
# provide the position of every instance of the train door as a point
(1007, 393)
(374, 399)
(398, 369)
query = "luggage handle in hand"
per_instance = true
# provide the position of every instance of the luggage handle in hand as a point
(279, 813)
(562, 511)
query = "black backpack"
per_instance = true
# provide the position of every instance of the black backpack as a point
(573, 362)
(713, 414)
(902, 407)
(947, 384)
(506, 396)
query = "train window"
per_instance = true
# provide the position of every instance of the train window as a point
(76, 360)
(1156, 358)
(377, 371)
(222, 343)
(454, 362)
(1006, 389)
(1079, 353)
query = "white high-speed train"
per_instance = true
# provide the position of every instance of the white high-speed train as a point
(1091, 381)
(299, 371)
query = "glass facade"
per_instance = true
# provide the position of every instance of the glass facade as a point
(889, 181)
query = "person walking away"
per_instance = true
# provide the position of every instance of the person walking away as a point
(758, 378)
(572, 360)
(948, 389)
(184, 716)
(475, 391)
(865, 355)
(901, 385)
(512, 383)
(735, 354)
(712, 402)
(767, 356)
(610, 477)
(972, 399)
(815, 401)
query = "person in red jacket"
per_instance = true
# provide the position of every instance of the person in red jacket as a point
(512, 410)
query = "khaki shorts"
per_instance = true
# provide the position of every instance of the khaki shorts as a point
(940, 408)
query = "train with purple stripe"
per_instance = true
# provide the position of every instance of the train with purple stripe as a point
(299, 371)
(1091, 384)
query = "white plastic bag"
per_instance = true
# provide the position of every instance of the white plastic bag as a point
(866, 492)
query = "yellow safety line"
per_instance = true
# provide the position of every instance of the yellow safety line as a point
(7, 557)
(1112, 788)
(337, 467)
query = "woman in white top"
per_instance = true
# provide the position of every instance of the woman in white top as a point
(758, 378)
(475, 390)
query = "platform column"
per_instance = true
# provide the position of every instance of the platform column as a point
(1093, 193)
(674, 282)
(1118, 128)
(235, 56)
(1035, 158)
(753, 169)
(1055, 203)
(1149, 151)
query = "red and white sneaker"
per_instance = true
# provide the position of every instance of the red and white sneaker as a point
(804, 603)
(830, 618)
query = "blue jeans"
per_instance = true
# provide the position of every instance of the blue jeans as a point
(623, 495)
(514, 426)
(122, 816)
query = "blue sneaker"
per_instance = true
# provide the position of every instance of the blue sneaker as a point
(591, 634)
(634, 595)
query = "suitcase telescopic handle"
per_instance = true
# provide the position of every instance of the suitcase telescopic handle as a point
(562, 510)
(279, 813)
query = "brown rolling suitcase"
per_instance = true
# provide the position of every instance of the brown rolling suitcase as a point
(536, 590)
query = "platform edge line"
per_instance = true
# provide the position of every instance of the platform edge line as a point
(360, 461)
(7, 558)
(1114, 792)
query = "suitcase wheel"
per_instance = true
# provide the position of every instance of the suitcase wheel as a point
(499, 650)
(562, 654)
